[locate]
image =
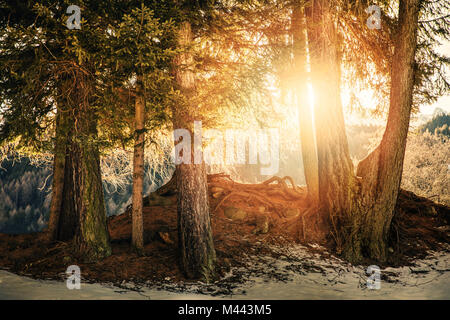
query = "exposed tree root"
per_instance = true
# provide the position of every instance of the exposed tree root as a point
(280, 199)
(249, 194)
(272, 196)
(293, 192)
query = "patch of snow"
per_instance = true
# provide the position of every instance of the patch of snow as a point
(297, 274)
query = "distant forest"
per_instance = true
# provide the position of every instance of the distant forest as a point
(24, 200)
(25, 195)
(439, 124)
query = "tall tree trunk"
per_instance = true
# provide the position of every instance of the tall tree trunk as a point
(59, 164)
(137, 233)
(334, 163)
(69, 218)
(77, 208)
(64, 220)
(195, 241)
(307, 135)
(92, 235)
(381, 171)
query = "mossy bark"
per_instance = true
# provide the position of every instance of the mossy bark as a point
(78, 210)
(92, 236)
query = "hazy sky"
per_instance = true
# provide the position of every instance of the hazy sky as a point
(443, 102)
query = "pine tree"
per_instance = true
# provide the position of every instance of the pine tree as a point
(52, 68)
(381, 171)
(194, 224)
(138, 51)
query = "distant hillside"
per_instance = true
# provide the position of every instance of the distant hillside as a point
(24, 200)
(420, 119)
(439, 124)
(25, 196)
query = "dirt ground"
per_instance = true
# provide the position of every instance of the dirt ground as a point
(245, 218)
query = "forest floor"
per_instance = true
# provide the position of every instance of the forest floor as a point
(254, 226)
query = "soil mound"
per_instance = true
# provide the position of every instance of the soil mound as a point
(245, 217)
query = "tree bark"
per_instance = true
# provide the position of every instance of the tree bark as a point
(64, 220)
(307, 134)
(77, 208)
(59, 164)
(195, 241)
(194, 224)
(381, 171)
(137, 233)
(92, 237)
(69, 220)
(334, 164)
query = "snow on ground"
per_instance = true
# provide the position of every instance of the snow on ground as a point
(297, 274)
